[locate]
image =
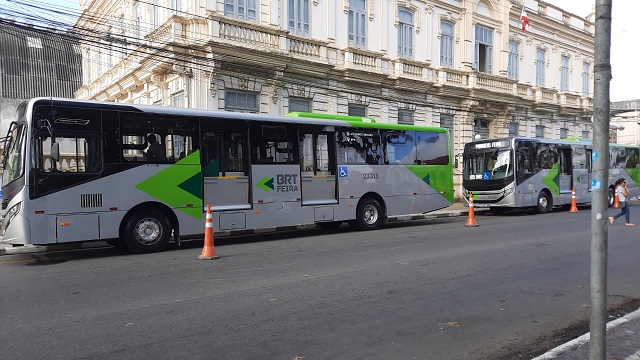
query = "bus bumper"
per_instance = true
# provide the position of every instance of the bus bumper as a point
(17, 232)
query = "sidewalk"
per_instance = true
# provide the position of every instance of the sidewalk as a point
(623, 334)
(623, 342)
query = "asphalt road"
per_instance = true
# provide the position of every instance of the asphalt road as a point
(429, 289)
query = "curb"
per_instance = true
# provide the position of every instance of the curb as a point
(6, 249)
(34, 249)
(581, 340)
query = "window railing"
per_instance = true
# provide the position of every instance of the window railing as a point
(547, 95)
(124, 76)
(244, 32)
(413, 68)
(569, 99)
(300, 45)
(453, 77)
(523, 90)
(492, 82)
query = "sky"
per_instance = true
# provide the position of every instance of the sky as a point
(625, 32)
(625, 35)
(42, 8)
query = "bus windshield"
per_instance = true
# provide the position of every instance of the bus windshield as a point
(14, 155)
(490, 164)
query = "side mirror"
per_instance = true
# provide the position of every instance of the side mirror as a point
(55, 152)
(455, 163)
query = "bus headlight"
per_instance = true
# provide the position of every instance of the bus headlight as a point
(12, 213)
(509, 191)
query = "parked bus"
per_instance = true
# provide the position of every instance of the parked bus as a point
(539, 173)
(138, 176)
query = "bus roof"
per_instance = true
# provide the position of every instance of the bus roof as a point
(364, 121)
(292, 118)
(567, 141)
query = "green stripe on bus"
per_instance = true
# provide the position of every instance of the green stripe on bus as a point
(552, 180)
(436, 176)
(178, 185)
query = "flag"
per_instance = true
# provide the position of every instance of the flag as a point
(524, 19)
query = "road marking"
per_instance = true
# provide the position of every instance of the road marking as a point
(579, 341)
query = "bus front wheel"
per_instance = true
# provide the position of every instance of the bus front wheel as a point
(147, 231)
(544, 203)
(369, 214)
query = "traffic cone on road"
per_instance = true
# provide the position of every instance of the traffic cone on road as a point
(574, 206)
(208, 251)
(616, 199)
(471, 219)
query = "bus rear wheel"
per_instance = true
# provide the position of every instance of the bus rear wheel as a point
(610, 197)
(544, 203)
(369, 214)
(147, 231)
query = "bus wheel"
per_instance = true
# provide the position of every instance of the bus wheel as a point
(147, 231)
(544, 203)
(610, 198)
(369, 214)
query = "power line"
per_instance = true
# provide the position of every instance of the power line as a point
(123, 44)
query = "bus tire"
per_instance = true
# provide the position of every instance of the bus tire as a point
(147, 231)
(369, 214)
(610, 197)
(544, 203)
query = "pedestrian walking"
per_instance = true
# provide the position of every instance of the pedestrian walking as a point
(623, 191)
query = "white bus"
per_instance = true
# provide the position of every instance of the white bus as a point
(139, 176)
(539, 173)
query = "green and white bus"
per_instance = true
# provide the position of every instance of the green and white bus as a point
(539, 173)
(83, 170)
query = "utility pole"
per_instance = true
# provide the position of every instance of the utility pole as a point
(600, 205)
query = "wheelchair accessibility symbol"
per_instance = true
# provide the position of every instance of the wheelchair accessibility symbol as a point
(342, 171)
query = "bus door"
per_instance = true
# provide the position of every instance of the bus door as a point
(225, 170)
(565, 167)
(581, 171)
(317, 166)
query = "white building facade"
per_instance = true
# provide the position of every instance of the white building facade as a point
(461, 64)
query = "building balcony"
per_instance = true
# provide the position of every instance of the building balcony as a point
(221, 37)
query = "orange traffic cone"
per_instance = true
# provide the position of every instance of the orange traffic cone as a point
(616, 199)
(208, 251)
(574, 206)
(471, 219)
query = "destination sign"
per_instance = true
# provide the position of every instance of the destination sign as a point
(493, 144)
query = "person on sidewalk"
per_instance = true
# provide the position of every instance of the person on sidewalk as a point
(623, 191)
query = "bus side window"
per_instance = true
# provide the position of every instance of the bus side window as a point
(632, 158)
(271, 144)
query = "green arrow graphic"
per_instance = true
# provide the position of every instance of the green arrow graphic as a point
(177, 185)
(266, 184)
(552, 180)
